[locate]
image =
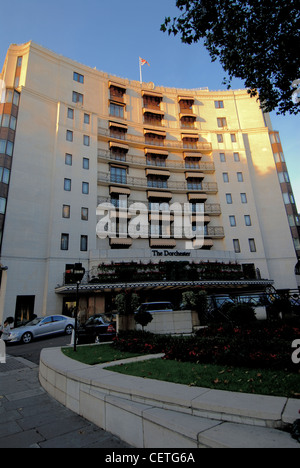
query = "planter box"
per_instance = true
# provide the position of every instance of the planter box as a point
(179, 322)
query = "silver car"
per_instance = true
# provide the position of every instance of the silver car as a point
(51, 325)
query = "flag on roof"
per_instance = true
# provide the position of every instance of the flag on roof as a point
(144, 62)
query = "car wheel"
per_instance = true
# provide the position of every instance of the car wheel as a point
(27, 338)
(69, 330)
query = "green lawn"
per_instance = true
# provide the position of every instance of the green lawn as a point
(259, 381)
(263, 382)
(96, 354)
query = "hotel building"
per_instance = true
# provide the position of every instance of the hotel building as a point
(73, 138)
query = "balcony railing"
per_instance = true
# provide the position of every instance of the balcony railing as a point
(174, 144)
(106, 155)
(137, 182)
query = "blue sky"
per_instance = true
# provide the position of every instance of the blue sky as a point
(111, 35)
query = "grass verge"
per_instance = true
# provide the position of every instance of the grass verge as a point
(235, 379)
(97, 354)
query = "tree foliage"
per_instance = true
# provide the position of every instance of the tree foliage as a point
(257, 41)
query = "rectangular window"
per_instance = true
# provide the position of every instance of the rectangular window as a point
(240, 177)
(86, 163)
(70, 113)
(2, 205)
(116, 111)
(232, 221)
(86, 140)
(64, 243)
(236, 245)
(283, 177)
(77, 77)
(67, 185)
(4, 175)
(83, 243)
(244, 198)
(229, 198)
(233, 137)
(219, 104)
(236, 157)
(225, 177)
(222, 157)
(222, 122)
(68, 159)
(118, 175)
(77, 98)
(84, 214)
(252, 245)
(220, 138)
(66, 211)
(248, 220)
(86, 118)
(85, 188)
(69, 135)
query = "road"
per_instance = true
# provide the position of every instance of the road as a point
(32, 351)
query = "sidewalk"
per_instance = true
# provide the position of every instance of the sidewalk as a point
(30, 418)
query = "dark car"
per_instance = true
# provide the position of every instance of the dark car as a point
(96, 329)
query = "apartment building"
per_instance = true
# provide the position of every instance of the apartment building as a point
(79, 146)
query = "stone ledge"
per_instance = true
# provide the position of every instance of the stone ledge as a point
(145, 413)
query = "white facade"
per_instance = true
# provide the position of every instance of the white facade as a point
(40, 173)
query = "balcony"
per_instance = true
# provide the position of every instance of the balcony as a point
(142, 183)
(139, 140)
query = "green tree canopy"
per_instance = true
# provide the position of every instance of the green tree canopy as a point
(257, 41)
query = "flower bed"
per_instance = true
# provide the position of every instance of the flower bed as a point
(256, 347)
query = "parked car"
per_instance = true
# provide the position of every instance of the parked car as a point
(96, 329)
(156, 307)
(43, 326)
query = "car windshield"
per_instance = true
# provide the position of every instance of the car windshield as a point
(34, 322)
(94, 321)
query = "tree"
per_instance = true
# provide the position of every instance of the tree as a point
(257, 41)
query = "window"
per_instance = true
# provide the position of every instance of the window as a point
(84, 214)
(222, 157)
(86, 163)
(118, 175)
(69, 135)
(236, 245)
(77, 98)
(219, 104)
(83, 243)
(2, 205)
(252, 245)
(194, 184)
(77, 77)
(244, 198)
(4, 175)
(67, 185)
(279, 157)
(240, 177)
(86, 140)
(154, 181)
(6, 147)
(232, 221)
(236, 157)
(283, 177)
(229, 198)
(64, 242)
(19, 62)
(248, 220)
(68, 159)
(85, 188)
(220, 138)
(225, 177)
(86, 119)
(66, 211)
(233, 137)
(288, 198)
(222, 122)
(70, 113)
(116, 111)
